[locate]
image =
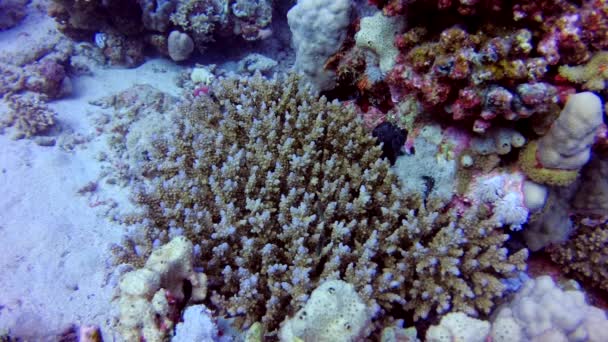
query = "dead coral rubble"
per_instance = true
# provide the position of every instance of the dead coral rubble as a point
(280, 190)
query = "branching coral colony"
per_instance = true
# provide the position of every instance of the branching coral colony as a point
(280, 190)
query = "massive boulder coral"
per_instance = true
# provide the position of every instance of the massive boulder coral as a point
(149, 297)
(457, 326)
(334, 312)
(281, 190)
(542, 311)
(318, 29)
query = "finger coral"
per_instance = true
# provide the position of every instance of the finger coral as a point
(280, 190)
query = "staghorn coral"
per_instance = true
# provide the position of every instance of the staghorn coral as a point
(28, 114)
(585, 255)
(280, 190)
(456, 261)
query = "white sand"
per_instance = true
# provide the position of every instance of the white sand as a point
(54, 255)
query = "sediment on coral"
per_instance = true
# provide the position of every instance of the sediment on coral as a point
(280, 190)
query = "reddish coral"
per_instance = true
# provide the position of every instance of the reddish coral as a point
(474, 77)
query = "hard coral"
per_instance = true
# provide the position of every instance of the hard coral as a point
(542, 311)
(28, 114)
(558, 155)
(592, 75)
(150, 297)
(585, 255)
(281, 190)
(477, 78)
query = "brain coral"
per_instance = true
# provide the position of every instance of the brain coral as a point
(280, 190)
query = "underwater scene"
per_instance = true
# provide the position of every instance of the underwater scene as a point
(303, 170)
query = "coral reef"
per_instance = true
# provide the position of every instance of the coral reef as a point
(39, 66)
(334, 312)
(585, 255)
(460, 63)
(569, 31)
(122, 28)
(200, 19)
(558, 155)
(149, 298)
(593, 75)
(318, 29)
(457, 326)
(542, 311)
(280, 190)
(12, 12)
(474, 78)
(28, 114)
(179, 46)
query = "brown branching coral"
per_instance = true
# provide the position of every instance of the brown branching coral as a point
(439, 261)
(585, 255)
(28, 114)
(280, 190)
